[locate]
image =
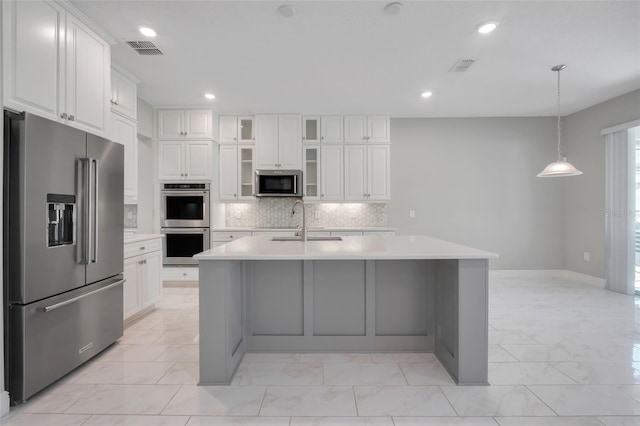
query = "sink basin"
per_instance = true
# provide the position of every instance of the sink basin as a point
(308, 239)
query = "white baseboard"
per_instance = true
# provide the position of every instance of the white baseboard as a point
(4, 403)
(547, 273)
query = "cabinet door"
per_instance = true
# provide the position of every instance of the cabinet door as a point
(151, 278)
(228, 129)
(246, 129)
(332, 129)
(130, 294)
(332, 173)
(378, 129)
(170, 124)
(378, 172)
(355, 172)
(124, 131)
(228, 169)
(170, 160)
(197, 160)
(88, 77)
(197, 124)
(289, 146)
(311, 129)
(355, 129)
(33, 64)
(123, 95)
(267, 141)
(311, 172)
(245, 172)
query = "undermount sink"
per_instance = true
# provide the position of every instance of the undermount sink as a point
(308, 239)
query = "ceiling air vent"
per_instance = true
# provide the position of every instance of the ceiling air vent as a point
(144, 47)
(462, 65)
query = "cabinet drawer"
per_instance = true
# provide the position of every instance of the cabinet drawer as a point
(142, 247)
(179, 274)
(228, 235)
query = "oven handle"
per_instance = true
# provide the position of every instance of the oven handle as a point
(184, 193)
(185, 230)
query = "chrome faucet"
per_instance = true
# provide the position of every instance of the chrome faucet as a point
(303, 231)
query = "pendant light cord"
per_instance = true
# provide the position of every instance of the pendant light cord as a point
(559, 131)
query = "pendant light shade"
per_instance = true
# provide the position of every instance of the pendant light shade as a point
(560, 167)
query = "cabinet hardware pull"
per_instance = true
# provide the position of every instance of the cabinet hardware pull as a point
(322, 137)
(235, 139)
(234, 195)
(63, 115)
(142, 248)
(113, 101)
(71, 118)
(304, 139)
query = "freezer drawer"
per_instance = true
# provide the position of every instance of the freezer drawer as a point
(50, 338)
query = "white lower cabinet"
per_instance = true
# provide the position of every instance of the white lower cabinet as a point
(143, 275)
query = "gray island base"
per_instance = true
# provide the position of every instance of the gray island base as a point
(362, 294)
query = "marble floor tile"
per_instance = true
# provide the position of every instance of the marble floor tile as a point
(237, 421)
(382, 357)
(548, 421)
(182, 373)
(336, 357)
(176, 325)
(414, 357)
(178, 338)
(563, 353)
(510, 337)
(291, 373)
(444, 421)
(333, 401)
(126, 373)
(363, 374)
(180, 353)
(601, 373)
(120, 420)
(402, 401)
(341, 421)
(495, 401)
(125, 399)
(526, 373)
(216, 401)
(620, 420)
(632, 390)
(132, 353)
(139, 337)
(497, 354)
(43, 419)
(581, 400)
(57, 399)
(426, 373)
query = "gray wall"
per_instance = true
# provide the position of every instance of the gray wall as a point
(585, 195)
(473, 181)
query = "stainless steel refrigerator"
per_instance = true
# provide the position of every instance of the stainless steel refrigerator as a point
(63, 250)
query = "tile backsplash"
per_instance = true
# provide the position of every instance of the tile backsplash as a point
(276, 213)
(130, 216)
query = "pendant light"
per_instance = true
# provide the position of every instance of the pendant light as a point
(560, 167)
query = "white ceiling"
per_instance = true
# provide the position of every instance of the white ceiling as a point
(349, 57)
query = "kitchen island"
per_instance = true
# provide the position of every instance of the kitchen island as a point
(358, 294)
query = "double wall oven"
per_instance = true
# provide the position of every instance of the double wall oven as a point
(184, 221)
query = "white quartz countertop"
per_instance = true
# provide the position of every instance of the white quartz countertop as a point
(368, 247)
(136, 238)
(309, 229)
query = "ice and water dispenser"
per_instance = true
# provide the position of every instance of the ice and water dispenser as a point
(61, 214)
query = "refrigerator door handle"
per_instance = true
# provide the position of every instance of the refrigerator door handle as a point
(96, 218)
(46, 309)
(83, 187)
(90, 206)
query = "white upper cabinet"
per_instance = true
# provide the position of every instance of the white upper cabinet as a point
(332, 129)
(55, 66)
(289, 149)
(311, 129)
(371, 129)
(331, 173)
(234, 129)
(124, 131)
(184, 160)
(124, 95)
(228, 169)
(367, 172)
(278, 141)
(184, 124)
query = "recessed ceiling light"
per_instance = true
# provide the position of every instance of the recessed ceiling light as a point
(426, 94)
(393, 9)
(286, 10)
(146, 31)
(209, 96)
(487, 27)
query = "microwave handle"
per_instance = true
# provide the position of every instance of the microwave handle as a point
(295, 184)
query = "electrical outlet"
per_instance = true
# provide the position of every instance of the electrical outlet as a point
(316, 214)
(238, 214)
(412, 214)
(587, 256)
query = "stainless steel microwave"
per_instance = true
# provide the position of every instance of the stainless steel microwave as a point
(278, 183)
